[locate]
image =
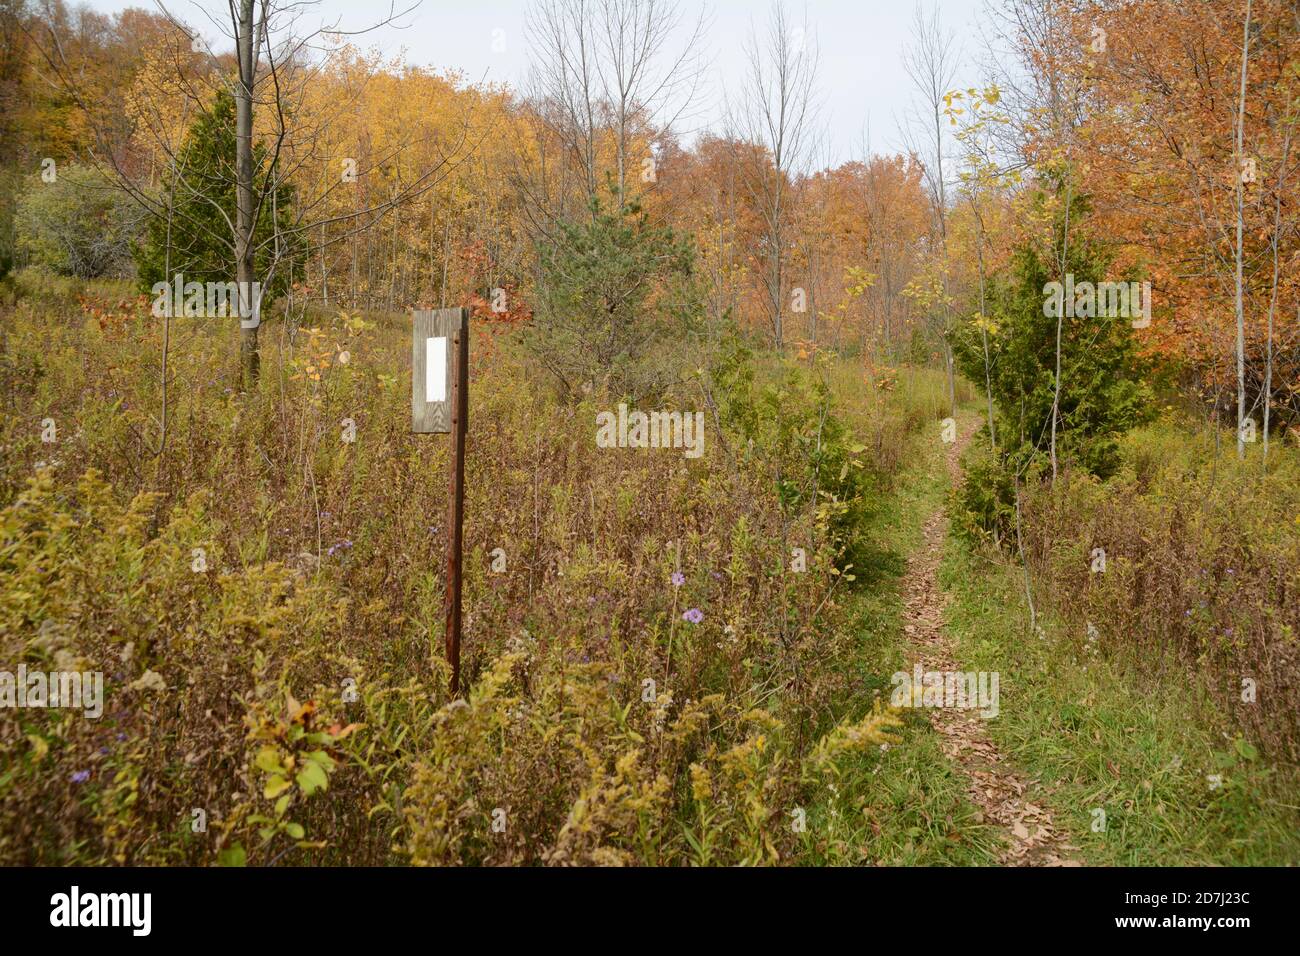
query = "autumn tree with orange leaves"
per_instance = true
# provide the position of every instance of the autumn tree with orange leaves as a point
(1166, 93)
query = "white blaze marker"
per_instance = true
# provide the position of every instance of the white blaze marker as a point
(435, 369)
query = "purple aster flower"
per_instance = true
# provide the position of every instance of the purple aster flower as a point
(678, 579)
(81, 776)
(694, 615)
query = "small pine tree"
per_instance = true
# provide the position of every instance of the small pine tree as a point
(202, 194)
(617, 300)
(1102, 389)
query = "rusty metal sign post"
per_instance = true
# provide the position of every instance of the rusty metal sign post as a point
(440, 405)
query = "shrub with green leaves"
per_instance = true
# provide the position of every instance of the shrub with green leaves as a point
(82, 224)
(787, 426)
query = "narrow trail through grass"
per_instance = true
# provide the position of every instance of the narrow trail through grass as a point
(1119, 769)
(905, 804)
(1084, 763)
(1003, 796)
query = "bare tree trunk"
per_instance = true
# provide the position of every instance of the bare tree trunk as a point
(1241, 215)
(930, 62)
(1060, 318)
(774, 120)
(609, 67)
(167, 315)
(446, 259)
(244, 202)
(1272, 301)
(1024, 565)
(984, 335)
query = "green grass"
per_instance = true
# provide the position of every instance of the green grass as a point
(1100, 736)
(1095, 734)
(907, 805)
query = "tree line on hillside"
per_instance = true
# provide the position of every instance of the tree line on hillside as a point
(295, 158)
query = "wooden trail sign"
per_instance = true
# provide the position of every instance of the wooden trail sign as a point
(440, 404)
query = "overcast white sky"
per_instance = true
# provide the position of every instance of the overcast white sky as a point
(862, 83)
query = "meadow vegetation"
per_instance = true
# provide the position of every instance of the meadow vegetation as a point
(668, 658)
(261, 567)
